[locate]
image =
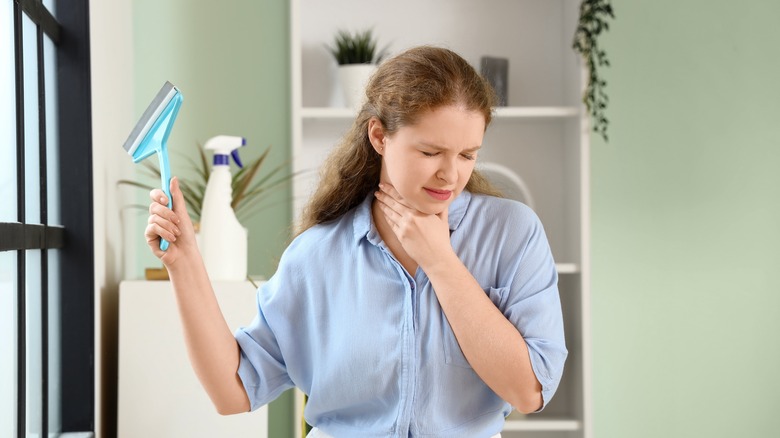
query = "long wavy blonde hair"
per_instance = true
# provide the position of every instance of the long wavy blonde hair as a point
(404, 87)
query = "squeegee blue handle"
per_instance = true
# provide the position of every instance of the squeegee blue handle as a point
(165, 180)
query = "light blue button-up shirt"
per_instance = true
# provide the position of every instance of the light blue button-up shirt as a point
(343, 321)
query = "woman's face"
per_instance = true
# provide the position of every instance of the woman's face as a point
(430, 162)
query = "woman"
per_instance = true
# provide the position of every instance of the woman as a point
(412, 302)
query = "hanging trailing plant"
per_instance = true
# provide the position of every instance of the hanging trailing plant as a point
(593, 20)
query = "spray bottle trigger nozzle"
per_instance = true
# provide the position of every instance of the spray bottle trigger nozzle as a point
(234, 154)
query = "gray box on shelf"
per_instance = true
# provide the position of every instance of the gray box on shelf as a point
(496, 71)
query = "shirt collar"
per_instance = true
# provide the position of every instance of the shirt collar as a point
(363, 222)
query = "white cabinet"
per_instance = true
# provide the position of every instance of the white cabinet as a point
(542, 135)
(159, 394)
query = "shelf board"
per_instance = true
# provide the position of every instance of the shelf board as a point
(327, 113)
(535, 112)
(502, 113)
(567, 268)
(538, 425)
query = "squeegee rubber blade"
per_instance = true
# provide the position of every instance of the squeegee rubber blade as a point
(149, 116)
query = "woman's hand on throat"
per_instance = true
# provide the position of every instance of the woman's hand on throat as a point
(424, 237)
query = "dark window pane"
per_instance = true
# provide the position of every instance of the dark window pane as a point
(8, 333)
(52, 133)
(55, 387)
(51, 5)
(34, 338)
(8, 187)
(32, 182)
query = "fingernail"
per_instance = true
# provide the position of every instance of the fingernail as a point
(381, 185)
(162, 199)
(178, 231)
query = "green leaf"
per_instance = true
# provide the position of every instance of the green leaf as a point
(242, 182)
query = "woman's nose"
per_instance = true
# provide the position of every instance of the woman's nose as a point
(448, 172)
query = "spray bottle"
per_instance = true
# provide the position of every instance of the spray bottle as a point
(223, 239)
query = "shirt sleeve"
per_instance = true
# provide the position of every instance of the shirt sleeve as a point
(262, 367)
(534, 305)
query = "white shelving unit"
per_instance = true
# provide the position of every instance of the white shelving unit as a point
(543, 136)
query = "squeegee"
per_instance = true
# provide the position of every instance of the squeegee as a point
(150, 136)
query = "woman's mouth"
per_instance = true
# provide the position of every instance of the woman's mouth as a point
(439, 195)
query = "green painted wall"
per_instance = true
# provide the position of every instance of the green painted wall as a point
(686, 222)
(231, 62)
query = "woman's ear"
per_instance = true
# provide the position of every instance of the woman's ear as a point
(376, 135)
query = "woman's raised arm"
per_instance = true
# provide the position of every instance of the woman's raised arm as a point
(213, 351)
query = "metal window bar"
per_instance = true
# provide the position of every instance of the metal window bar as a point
(42, 17)
(21, 346)
(77, 271)
(15, 236)
(43, 175)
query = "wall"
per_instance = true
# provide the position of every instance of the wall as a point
(112, 118)
(685, 222)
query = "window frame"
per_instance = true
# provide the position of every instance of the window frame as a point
(74, 236)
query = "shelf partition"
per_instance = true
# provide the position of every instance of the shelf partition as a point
(542, 425)
(536, 112)
(567, 268)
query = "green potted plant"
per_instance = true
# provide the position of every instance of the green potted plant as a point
(250, 185)
(357, 56)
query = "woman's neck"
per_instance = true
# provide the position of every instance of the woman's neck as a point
(390, 239)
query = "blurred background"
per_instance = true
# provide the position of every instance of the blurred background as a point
(684, 314)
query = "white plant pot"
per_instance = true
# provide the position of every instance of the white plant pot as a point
(353, 79)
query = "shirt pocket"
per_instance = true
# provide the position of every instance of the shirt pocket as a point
(453, 355)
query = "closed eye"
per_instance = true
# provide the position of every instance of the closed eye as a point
(429, 154)
(468, 156)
